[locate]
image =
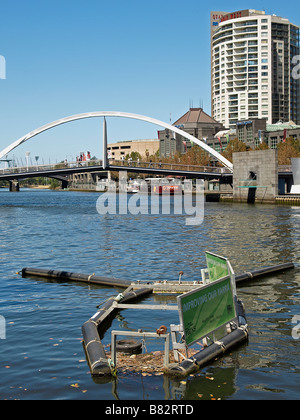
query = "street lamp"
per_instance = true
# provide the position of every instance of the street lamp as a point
(27, 154)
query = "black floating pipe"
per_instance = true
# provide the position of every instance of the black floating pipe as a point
(188, 366)
(99, 364)
(263, 272)
(94, 350)
(113, 282)
(69, 276)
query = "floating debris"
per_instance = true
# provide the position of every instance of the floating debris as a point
(151, 363)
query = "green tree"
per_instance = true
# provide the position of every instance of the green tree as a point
(234, 146)
(262, 146)
(54, 184)
(287, 150)
(134, 156)
(196, 156)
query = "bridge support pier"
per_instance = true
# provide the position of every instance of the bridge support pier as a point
(14, 186)
(255, 176)
(64, 184)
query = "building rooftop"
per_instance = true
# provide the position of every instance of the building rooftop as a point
(134, 141)
(223, 133)
(282, 126)
(195, 115)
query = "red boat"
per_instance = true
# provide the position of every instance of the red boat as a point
(165, 186)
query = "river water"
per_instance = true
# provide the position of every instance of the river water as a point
(42, 355)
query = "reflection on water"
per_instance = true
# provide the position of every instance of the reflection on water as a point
(258, 235)
(43, 356)
(194, 387)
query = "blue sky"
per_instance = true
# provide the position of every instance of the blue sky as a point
(70, 56)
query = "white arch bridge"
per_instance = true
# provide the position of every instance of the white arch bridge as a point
(105, 114)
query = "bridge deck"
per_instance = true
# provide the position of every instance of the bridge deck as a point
(151, 169)
(63, 171)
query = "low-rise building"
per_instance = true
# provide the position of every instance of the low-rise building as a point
(145, 148)
(256, 131)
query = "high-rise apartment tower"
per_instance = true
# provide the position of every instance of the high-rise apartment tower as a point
(255, 70)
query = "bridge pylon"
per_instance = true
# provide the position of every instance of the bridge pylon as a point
(104, 160)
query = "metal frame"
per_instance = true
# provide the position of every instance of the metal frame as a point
(117, 305)
(142, 334)
(204, 275)
(177, 330)
(137, 306)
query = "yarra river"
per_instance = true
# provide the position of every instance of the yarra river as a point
(42, 356)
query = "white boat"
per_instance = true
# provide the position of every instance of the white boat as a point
(134, 186)
(102, 185)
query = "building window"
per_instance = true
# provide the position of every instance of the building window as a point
(249, 132)
(273, 142)
(217, 148)
(257, 142)
(241, 136)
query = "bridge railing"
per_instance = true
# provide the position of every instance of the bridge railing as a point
(38, 168)
(126, 163)
(123, 163)
(22, 169)
(170, 166)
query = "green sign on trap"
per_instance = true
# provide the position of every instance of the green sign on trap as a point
(206, 309)
(217, 266)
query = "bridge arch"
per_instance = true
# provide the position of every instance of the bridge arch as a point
(65, 120)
